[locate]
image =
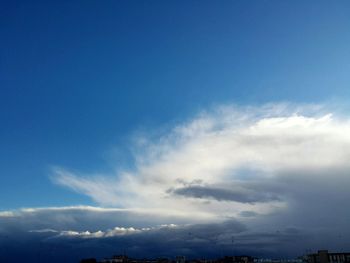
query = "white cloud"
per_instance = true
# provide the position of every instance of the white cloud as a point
(6, 214)
(228, 148)
(115, 232)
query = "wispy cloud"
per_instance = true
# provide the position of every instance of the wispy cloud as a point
(101, 189)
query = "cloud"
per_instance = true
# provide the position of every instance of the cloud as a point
(85, 218)
(77, 232)
(233, 193)
(70, 245)
(242, 157)
(99, 188)
(269, 180)
(192, 240)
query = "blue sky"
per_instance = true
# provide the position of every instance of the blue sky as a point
(77, 78)
(82, 83)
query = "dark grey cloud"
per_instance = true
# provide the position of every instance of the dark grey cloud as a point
(50, 245)
(237, 193)
(38, 235)
(196, 240)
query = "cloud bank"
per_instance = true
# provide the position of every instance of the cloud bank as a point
(269, 180)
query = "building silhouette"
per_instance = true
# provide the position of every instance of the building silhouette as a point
(323, 256)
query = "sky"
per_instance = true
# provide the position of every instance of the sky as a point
(200, 128)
